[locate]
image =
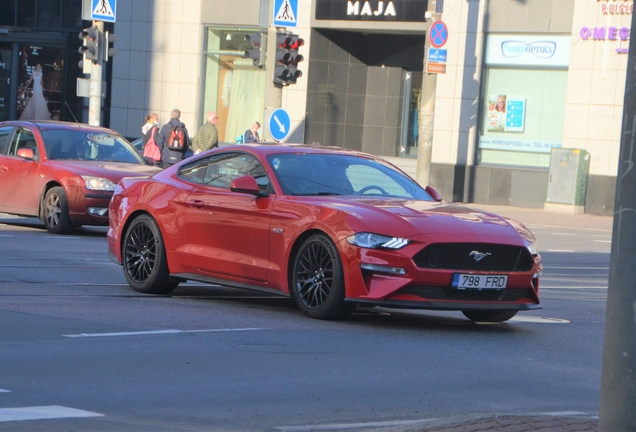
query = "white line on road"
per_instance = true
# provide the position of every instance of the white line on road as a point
(559, 250)
(535, 319)
(5, 391)
(603, 241)
(42, 413)
(159, 332)
(343, 426)
(567, 234)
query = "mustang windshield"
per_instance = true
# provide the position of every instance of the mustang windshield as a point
(342, 174)
(65, 144)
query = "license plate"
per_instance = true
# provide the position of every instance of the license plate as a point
(466, 281)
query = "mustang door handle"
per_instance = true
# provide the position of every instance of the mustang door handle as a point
(197, 204)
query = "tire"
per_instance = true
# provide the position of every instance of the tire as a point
(55, 215)
(144, 258)
(489, 316)
(317, 280)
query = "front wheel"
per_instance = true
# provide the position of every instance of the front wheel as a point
(55, 214)
(144, 258)
(489, 316)
(317, 280)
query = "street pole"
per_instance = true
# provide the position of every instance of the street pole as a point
(617, 412)
(273, 94)
(95, 95)
(427, 111)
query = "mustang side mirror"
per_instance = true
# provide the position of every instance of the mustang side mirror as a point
(26, 153)
(246, 184)
(434, 193)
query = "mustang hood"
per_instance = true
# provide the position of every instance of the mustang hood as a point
(407, 218)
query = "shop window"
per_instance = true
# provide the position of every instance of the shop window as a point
(523, 114)
(233, 88)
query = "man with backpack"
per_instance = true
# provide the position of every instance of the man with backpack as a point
(173, 140)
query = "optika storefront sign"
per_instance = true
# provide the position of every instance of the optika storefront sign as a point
(617, 7)
(540, 49)
(371, 10)
(517, 50)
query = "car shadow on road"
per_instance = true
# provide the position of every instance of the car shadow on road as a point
(36, 224)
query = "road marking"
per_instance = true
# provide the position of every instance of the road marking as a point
(7, 235)
(559, 250)
(565, 413)
(535, 319)
(567, 234)
(603, 241)
(5, 391)
(344, 426)
(577, 268)
(159, 332)
(42, 413)
(64, 237)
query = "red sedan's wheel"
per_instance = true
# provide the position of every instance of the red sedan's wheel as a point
(56, 217)
(317, 280)
(144, 257)
(489, 316)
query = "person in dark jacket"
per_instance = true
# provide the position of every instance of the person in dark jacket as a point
(251, 135)
(170, 157)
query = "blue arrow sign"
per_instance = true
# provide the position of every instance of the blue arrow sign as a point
(104, 10)
(279, 124)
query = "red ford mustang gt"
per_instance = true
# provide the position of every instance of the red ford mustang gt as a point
(332, 228)
(63, 173)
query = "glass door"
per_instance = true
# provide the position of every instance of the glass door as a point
(410, 114)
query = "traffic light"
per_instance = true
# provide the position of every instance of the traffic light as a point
(90, 47)
(287, 57)
(259, 42)
(109, 38)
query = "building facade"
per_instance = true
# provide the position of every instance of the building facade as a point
(520, 79)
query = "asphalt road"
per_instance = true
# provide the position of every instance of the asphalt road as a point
(79, 350)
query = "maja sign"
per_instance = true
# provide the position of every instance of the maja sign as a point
(371, 10)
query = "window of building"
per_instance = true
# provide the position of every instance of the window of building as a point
(523, 100)
(233, 87)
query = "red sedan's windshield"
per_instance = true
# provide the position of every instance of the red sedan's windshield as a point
(65, 144)
(341, 174)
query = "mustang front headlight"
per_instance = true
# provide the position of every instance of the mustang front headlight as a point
(98, 183)
(533, 248)
(376, 241)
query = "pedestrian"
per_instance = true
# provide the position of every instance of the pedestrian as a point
(251, 135)
(207, 136)
(150, 138)
(173, 140)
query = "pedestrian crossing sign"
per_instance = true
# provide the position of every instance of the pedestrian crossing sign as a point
(285, 13)
(103, 10)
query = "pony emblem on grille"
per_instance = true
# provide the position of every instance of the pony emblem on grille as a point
(478, 256)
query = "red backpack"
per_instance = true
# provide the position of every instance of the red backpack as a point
(176, 141)
(151, 149)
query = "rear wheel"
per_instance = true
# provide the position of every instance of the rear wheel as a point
(55, 215)
(489, 316)
(317, 281)
(144, 258)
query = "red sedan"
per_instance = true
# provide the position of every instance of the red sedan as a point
(63, 173)
(331, 228)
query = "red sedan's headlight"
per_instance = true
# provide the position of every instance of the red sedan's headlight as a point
(98, 183)
(376, 241)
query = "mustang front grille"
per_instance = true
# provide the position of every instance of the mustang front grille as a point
(475, 256)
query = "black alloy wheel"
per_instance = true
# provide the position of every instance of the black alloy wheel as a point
(144, 258)
(489, 316)
(55, 214)
(317, 280)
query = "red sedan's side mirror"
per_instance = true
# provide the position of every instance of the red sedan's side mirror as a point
(434, 193)
(245, 184)
(26, 153)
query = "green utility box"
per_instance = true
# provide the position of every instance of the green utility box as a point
(567, 182)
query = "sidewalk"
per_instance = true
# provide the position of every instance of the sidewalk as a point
(536, 423)
(540, 217)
